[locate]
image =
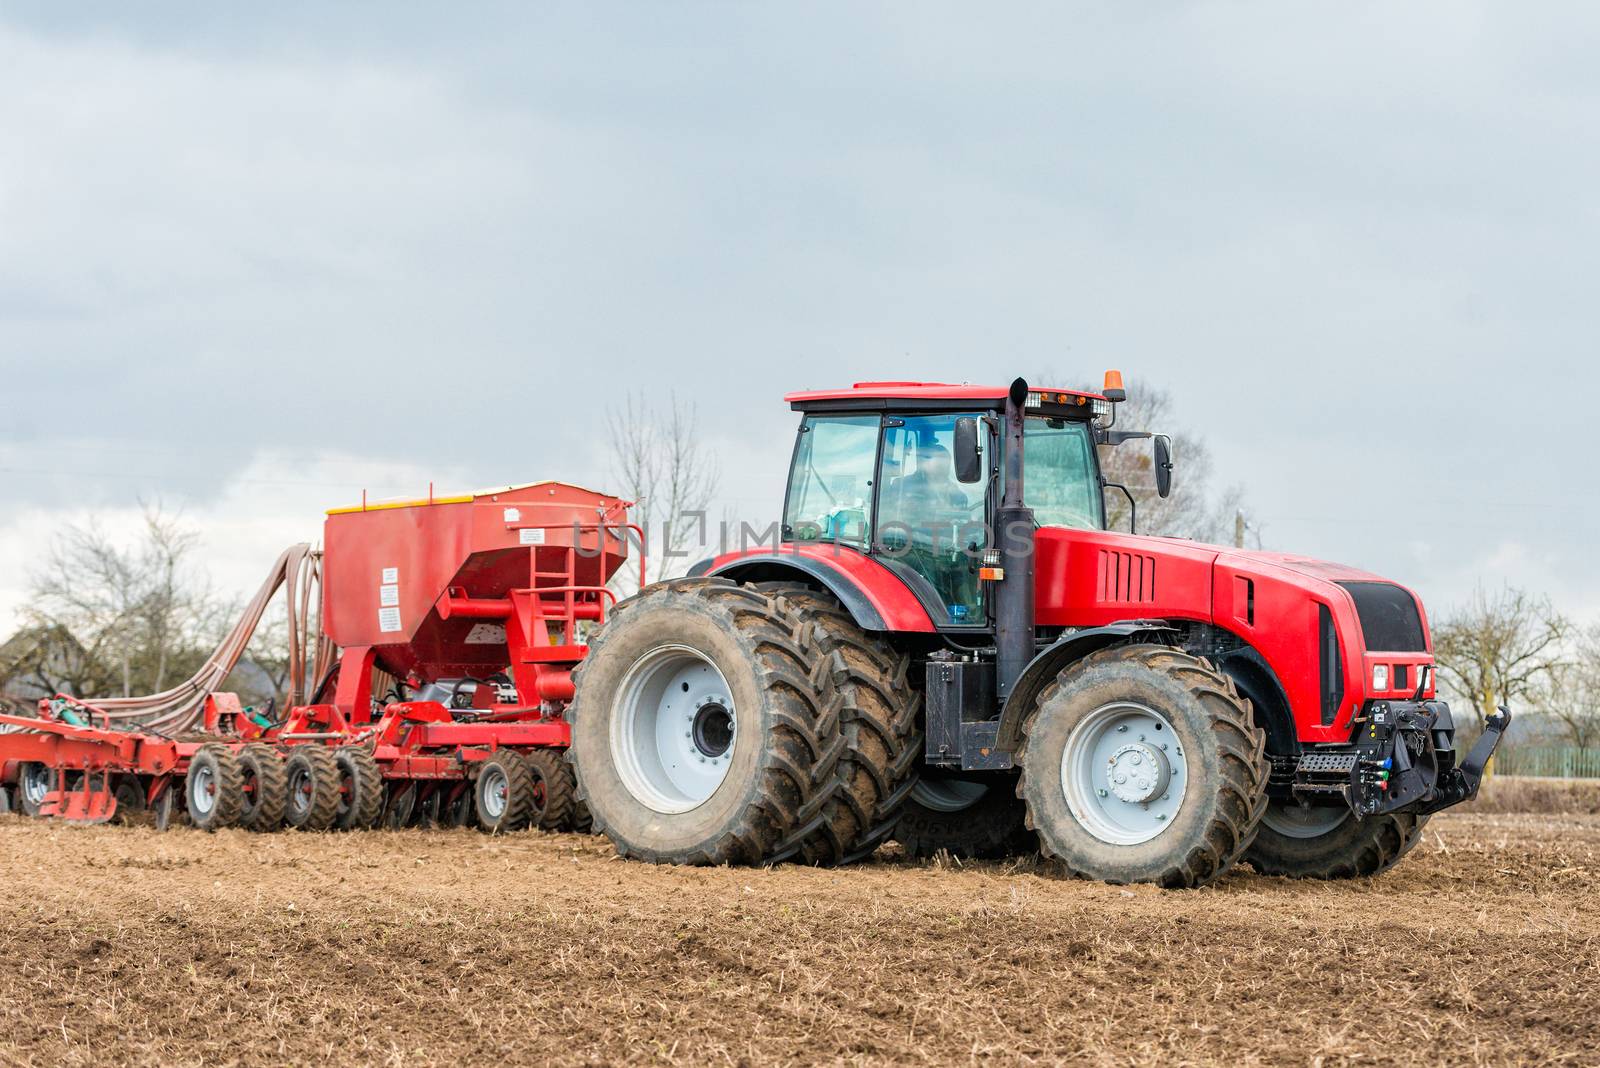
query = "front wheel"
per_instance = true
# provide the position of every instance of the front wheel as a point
(1329, 842)
(1143, 765)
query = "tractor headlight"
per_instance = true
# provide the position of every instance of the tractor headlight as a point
(1380, 677)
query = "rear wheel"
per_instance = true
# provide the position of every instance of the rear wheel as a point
(1329, 842)
(313, 786)
(266, 789)
(214, 788)
(504, 793)
(876, 707)
(360, 788)
(703, 732)
(1143, 765)
(981, 819)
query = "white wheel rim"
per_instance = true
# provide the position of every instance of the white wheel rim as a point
(948, 795)
(1303, 821)
(1124, 773)
(495, 789)
(673, 730)
(202, 791)
(36, 784)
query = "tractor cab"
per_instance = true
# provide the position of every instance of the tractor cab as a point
(910, 473)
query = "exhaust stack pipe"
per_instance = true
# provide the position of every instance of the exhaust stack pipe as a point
(1014, 526)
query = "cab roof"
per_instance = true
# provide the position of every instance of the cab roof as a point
(934, 392)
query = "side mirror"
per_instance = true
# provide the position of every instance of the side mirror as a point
(1163, 465)
(968, 457)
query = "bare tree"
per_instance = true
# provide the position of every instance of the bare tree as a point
(104, 619)
(1500, 649)
(1569, 693)
(660, 463)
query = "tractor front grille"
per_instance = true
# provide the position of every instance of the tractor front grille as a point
(1390, 622)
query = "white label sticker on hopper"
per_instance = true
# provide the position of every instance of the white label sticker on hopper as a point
(513, 515)
(530, 536)
(391, 575)
(388, 620)
(388, 596)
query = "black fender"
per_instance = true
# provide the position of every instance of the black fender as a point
(1259, 684)
(1048, 664)
(798, 568)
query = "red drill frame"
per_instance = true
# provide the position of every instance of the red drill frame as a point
(499, 582)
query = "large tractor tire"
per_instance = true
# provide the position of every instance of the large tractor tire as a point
(266, 790)
(704, 729)
(313, 787)
(34, 783)
(969, 817)
(214, 788)
(1142, 764)
(876, 706)
(1329, 842)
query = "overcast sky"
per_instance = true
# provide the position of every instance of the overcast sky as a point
(256, 258)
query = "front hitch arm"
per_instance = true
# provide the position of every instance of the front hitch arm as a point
(1466, 777)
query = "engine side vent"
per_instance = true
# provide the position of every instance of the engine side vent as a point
(1127, 578)
(1390, 622)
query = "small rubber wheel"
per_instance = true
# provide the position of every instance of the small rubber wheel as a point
(266, 790)
(213, 791)
(313, 784)
(504, 793)
(34, 783)
(579, 821)
(360, 788)
(553, 789)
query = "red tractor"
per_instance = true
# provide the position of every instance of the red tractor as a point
(946, 645)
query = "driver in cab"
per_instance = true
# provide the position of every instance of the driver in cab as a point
(930, 492)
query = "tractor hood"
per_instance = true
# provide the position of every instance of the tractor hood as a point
(1322, 627)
